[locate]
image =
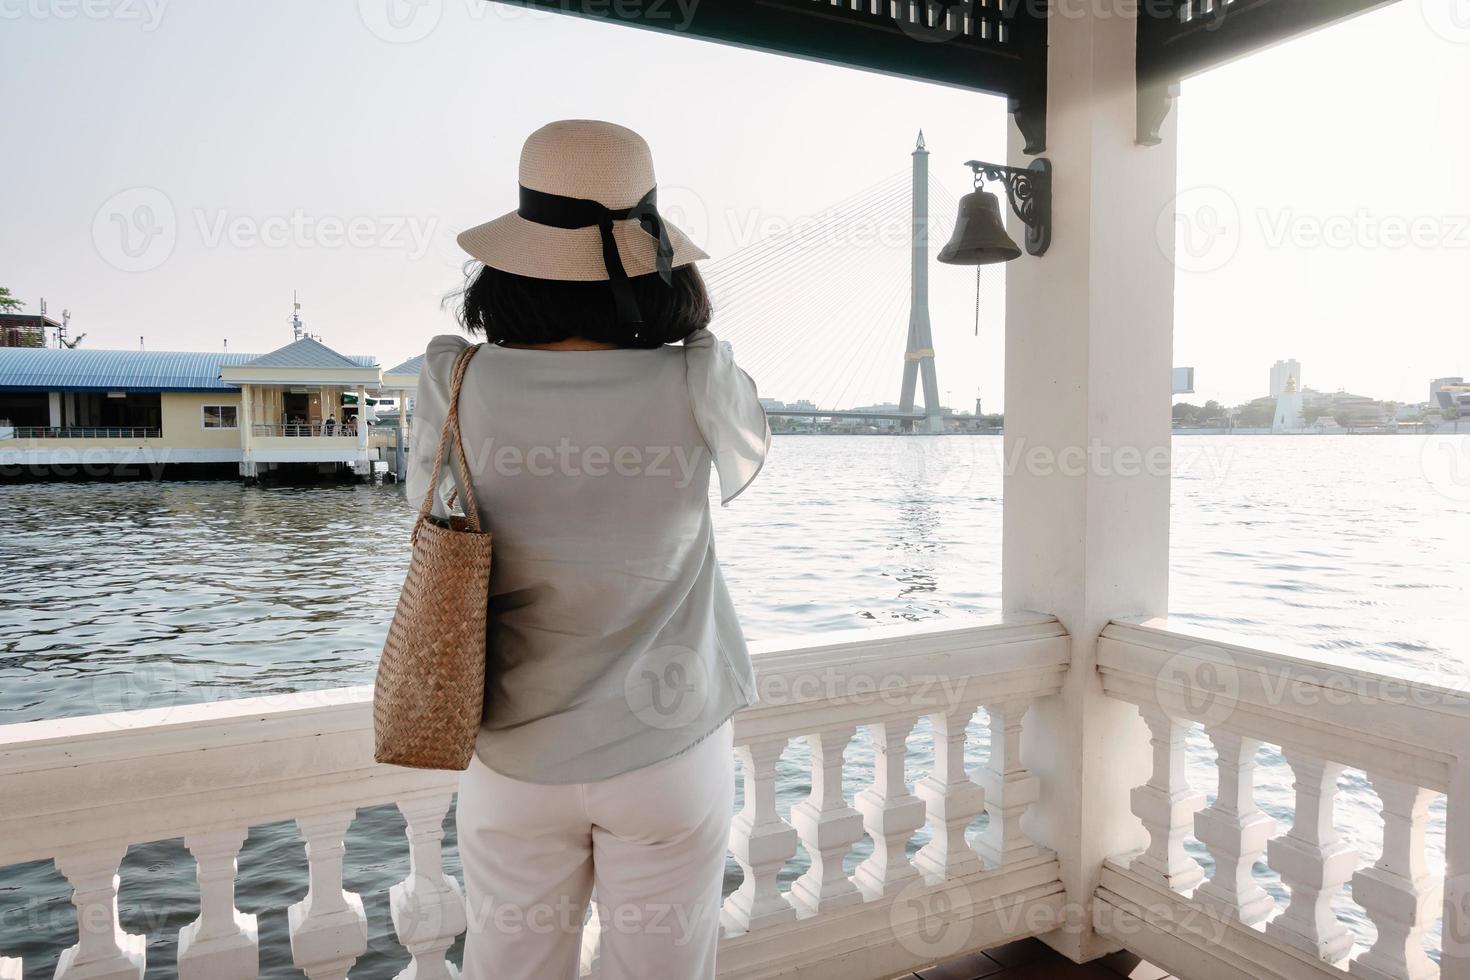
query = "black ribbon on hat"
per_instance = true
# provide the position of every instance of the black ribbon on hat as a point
(575, 212)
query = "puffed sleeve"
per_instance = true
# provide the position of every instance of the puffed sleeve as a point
(430, 405)
(728, 412)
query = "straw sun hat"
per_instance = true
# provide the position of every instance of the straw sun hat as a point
(588, 211)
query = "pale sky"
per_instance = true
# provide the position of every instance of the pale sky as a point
(336, 150)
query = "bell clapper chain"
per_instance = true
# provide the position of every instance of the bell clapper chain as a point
(977, 299)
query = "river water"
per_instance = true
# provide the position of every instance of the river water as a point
(128, 595)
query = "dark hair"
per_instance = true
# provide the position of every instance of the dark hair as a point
(512, 309)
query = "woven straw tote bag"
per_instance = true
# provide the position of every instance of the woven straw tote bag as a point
(428, 698)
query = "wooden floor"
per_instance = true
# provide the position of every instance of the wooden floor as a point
(1031, 959)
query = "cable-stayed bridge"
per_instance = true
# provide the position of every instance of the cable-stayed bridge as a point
(837, 305)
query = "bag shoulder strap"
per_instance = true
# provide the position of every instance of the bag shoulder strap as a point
(451, 428)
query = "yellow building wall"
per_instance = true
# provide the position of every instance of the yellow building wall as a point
(183, 420)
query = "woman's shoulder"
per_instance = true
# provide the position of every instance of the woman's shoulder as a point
(445, 344)
(439, 357)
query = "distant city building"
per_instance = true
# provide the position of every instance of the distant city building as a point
(1281, 372)
(25, 329)
(1450, 393)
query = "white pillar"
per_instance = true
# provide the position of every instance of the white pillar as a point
(53, 406)
(1088, 370)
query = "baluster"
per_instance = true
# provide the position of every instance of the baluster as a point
(1312, 862)
(222, 943)
(951, 800)
(591, 941)
(102, 951)
(1398, 893)
(1166, 806)
(428, 906)
(1009, 787)
(1454, 950)
(328, 927)
(761, 842)
(890, 812)
(1236, 832)
(828, 827)
(10, 968)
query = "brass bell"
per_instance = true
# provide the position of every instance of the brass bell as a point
(979, 233)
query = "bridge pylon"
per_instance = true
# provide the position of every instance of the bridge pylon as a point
(918, 359)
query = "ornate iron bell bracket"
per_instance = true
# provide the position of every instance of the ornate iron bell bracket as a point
(1029, 191)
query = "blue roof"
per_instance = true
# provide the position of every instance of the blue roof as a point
(414, 365)
(308, 352)
(52, 369)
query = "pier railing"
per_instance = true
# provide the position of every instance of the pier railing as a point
(1410, 739)
(81, 791)
(86, 432)
(304, 429)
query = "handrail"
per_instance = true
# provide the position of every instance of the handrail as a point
(86, 432)
(157, 773)
(305, 429)
(1416, 729)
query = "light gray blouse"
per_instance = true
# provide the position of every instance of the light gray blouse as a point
(608, 611)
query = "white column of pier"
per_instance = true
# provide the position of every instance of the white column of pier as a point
(1088, 357)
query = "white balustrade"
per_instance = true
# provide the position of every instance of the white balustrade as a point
(891, 814)
(1010, 789)
(328, 927)
(828, 828)
(1236, 832)
(1313, 862)
(207, 772)
(951, 799)
(221, 944)
(1399, 893)
(428, 907)
(1166, 806)
(1409, 736)
(103, 951)
(761, 842)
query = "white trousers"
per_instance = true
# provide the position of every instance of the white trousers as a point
(651, 842)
